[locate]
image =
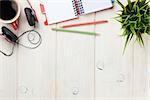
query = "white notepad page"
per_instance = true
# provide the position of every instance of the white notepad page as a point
(59, 10)
(90, 6)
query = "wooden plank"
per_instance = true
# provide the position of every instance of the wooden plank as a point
(7, 70)
(75, 63)
(36, 68)
(148, 59)
(113, 69)
(141, 70)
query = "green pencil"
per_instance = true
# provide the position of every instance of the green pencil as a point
(74, 31)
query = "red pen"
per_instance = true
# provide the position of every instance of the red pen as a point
(43, 12)
(86, 23)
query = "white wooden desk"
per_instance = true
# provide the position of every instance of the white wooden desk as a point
(71, 66)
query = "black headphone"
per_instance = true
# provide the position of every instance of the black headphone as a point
(9, 34)
(12, 38)
(31, 15)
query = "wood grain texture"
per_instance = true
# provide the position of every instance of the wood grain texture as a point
(113, 69)
(75, 63)
(7, 71)
(148, 76)
(36, 68)
(69, 66)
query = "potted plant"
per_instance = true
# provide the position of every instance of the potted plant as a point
(135, 20)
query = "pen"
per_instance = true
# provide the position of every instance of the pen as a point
(44, 13)
(86, 23)
(74, 31)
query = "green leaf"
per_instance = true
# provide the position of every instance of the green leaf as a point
(146, 4)
(130, 4)
(138, 9)
(133, 30)
(123, 7)
(124, 33)
(125, 26)
(126, 19)
(145, 29)
(139, 18)
(118, 20)
(148, 18)
(141, 40)
(127, 39)
(116, 17)
(134, 6)
(148, 33)
(143, 1)
(147, 9)
(135, 23)
(131, 36)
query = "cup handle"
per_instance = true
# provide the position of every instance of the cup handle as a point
(14, 25)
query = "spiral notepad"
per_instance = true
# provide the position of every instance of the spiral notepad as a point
(62, 10)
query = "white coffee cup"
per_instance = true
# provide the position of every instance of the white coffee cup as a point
(13, 21)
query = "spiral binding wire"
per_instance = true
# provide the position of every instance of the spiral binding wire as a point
(78, 7)
(76, 11)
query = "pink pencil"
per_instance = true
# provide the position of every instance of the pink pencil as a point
(83, 24)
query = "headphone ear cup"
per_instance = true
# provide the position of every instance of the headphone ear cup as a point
(30, 17)
(9, 34)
